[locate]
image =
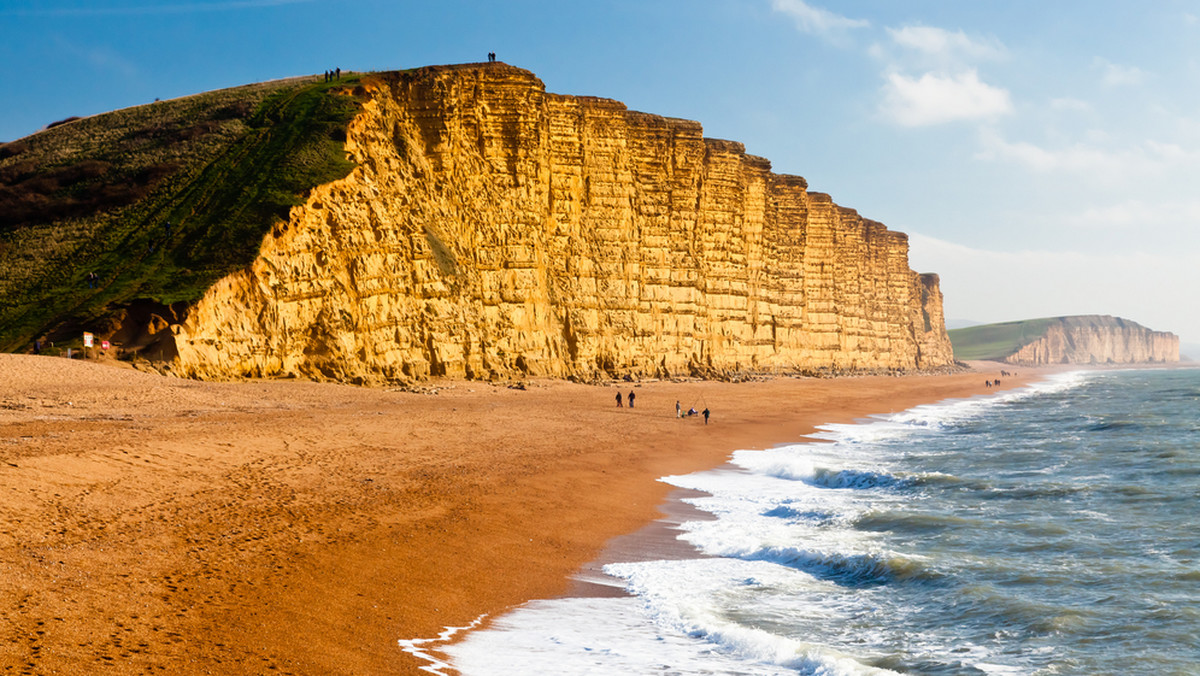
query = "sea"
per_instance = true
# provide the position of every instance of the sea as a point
(1047, 530)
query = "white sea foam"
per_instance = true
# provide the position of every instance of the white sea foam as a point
(424, 648)
(782, 552)
(602, 636)
(701, 609)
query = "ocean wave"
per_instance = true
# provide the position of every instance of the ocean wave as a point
(857, 478)
(849, 570)
(784, 465)
(1034, 491)
(793, 514)
(1065, 621)
(1180, 393)
(910, 522)
(803, 658)
(699, 610)
(940, 479)
(1114, 425)
(935, 667)
(999, 605)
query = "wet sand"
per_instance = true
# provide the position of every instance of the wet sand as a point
(150, 524)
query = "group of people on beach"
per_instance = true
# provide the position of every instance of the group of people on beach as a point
(994, 383)
(679, 412)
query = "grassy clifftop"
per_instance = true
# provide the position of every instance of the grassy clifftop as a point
(157, 201)
(997, 341)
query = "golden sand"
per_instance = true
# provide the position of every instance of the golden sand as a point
(151, 524)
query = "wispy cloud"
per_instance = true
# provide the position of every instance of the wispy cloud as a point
(936, 99)
(141, 9)
(946, 46)
(1116, 75)
(1149, 157)
(818, 21)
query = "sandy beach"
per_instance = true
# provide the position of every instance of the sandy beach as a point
(157, 525)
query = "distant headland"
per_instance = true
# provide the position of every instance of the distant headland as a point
(1081, 339)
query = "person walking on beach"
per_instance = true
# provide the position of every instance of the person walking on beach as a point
(678, 409)
(630, 399)
(705, 415)
(618, 400)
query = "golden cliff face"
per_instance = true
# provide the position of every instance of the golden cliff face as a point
(493, 230)
(1098, 339)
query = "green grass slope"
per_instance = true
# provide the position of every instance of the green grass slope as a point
(997, 341)
(158, 201)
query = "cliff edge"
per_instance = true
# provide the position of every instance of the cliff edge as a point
(494, 230)
(1081, 339)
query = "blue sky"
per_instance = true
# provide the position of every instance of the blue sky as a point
(1043, 156)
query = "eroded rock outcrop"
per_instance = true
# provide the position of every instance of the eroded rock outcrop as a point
(1098, 339)
(494, 230)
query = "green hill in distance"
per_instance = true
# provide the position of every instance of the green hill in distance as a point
(994, 342)
(1075, 339)
(157, 201)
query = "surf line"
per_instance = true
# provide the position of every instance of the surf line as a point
(417, 646)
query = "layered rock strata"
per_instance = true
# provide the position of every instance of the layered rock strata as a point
(493, 230)
(1098, 339)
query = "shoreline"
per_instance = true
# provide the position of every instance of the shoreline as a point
(152, 522)
(658, 539)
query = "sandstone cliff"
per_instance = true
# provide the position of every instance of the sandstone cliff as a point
(493, 230)
(1098, 339)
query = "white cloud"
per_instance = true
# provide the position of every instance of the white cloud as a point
(936, 99)
(1147, 158)
(817, 21)
(1116, 75)
(1037, 158)
(945, 45)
